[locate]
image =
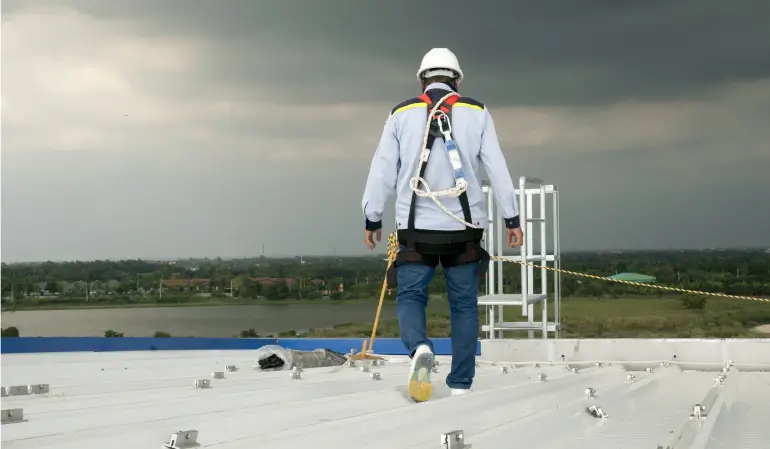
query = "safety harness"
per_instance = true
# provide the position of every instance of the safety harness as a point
(430, 246)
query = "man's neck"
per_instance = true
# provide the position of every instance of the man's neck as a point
(442, 86)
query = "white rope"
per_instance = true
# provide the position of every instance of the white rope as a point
(461, 185)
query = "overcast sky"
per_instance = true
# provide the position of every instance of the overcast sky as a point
(178, 128)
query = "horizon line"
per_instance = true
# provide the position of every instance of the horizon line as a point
(377, 255)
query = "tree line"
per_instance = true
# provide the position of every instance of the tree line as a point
(739, 272)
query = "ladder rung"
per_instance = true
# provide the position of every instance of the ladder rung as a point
(521, 326)
(509, 299)
(547, 258)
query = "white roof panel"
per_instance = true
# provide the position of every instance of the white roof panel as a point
(137, 400)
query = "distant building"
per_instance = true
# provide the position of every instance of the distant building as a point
(185, 283)
(634, 277)
(267, 281)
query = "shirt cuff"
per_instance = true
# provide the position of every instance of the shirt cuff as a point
(374, 225)
(512, 223)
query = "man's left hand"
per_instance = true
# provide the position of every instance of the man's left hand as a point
(369, 238)
(515, 237)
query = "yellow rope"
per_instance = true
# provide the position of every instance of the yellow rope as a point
(392, 251)
(638, 284)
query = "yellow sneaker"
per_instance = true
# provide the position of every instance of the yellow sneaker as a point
(420, 388)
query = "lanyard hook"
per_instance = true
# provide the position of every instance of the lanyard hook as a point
(443, 121)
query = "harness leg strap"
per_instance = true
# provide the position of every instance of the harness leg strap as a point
(406, 256)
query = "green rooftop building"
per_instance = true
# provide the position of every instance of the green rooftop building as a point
(634, 277)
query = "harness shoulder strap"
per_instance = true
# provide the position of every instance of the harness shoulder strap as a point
(445, 107)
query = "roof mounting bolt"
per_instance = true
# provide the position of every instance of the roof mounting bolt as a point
(364, 369)
(719, 381)
(230, 368)
(537, 365)
(664, 364)
(477, 364)
(12, 415)
(649, 370)
(598, 364)
(505, 370)
(375, 376)
(562, 357)
(38, 389)
(609, 364)
(631, 378)
(218, 375)
(182, 440)
(202, 384)
(541, 377)
(434, 369)
(590, 393)
(730, 363)
(296, 375)
(352, 363)
(698, 412)
(674, 358)
(575, 370)
(436, 363)
(17, 390)
(596, 412)
(454, 440)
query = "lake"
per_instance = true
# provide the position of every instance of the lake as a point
(212, 321)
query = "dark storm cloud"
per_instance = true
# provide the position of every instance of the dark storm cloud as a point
(514, 52)
(149, 128)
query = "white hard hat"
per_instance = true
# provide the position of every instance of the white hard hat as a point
(440, 61)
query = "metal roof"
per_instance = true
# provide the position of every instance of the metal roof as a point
(138, 399)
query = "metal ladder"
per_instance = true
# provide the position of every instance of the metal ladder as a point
(496, 300)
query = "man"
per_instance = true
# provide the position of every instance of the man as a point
(444, 150)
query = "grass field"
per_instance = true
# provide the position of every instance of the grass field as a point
(642, 317)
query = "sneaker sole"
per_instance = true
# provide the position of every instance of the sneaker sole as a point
(420, 387)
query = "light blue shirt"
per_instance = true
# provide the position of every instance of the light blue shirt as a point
(396, 159)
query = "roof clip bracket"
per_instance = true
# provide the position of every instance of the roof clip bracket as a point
(13, 415)
(454, 440)
(596, 412)
(183, 439)
(698, 412)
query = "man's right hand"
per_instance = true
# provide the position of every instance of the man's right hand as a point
(370, 236)
(515, 237)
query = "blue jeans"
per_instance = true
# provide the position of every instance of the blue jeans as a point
(462, 290)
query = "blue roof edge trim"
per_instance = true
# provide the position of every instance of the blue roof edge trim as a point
(31, 345)
(384, 346)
